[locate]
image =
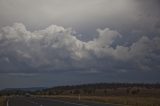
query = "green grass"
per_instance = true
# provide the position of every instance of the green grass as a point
(2, 101)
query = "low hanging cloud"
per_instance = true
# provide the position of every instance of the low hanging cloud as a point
(58, 49)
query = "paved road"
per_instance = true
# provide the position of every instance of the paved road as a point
(28, 101)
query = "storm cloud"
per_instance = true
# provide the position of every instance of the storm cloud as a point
(56, 48)
(77, 41)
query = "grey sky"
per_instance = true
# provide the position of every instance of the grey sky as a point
(87, 38)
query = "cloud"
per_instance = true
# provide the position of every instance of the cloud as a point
(84, 16)
(22, 74)
(58, 49)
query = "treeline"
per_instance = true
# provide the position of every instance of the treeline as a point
(103, 89)
(98, 89)
(108, 85)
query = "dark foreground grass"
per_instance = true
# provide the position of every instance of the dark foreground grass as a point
(122, 100)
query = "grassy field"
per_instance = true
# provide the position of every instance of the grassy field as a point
(127, 94)
(123, 100)
(2, 101)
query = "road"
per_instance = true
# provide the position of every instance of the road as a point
(30, 101)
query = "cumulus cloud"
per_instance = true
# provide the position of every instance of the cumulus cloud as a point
(57, 49)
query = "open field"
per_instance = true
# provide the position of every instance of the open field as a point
(122, 100)
(2, 101)
(129, 94)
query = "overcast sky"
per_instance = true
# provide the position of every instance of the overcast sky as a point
(60, 42)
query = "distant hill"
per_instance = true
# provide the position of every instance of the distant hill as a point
(25, 89)
(97, 89)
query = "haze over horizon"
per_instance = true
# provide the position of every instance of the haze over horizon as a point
(57, 42)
